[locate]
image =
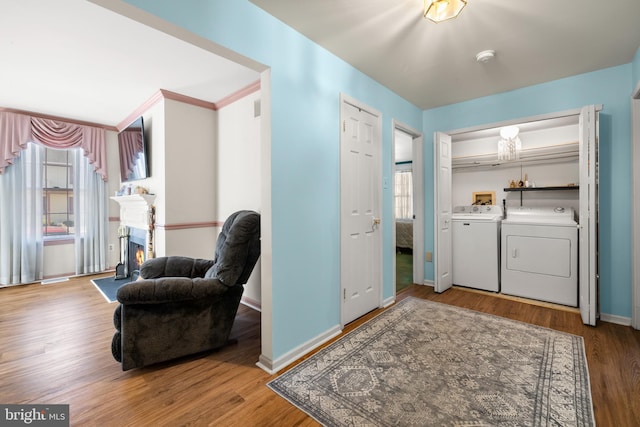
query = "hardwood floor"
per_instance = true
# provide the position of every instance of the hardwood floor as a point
(56, 349)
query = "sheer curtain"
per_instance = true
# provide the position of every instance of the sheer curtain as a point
(404, 194)
(90, 216)
(21, 242)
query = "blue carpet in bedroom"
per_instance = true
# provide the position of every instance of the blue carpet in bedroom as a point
(108, 286)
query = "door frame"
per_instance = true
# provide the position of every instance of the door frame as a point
(417, 158)
(345, 99)
(635, 223)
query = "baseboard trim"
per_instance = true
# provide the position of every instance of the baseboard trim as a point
(273, 366)
(618, 320)
(265, 364)
(54, 280)
(251, 303)
(389, 301)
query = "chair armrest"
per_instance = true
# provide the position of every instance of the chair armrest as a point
(174, 266)
(170, 289)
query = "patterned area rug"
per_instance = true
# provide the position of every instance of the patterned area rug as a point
(423, 363)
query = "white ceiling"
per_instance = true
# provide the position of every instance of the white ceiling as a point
(79, 59)
(435, 64)
(76, 59)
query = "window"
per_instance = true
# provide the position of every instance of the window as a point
(57, 193)
(403, 194)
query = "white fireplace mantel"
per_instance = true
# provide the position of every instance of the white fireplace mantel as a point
(135, 210)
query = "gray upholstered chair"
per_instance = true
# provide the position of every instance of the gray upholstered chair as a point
(182, 306)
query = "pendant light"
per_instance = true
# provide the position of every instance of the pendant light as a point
(509, 144)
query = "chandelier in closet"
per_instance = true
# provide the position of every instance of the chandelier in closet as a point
(509, 144)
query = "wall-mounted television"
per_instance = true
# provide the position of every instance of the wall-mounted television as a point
(132, 146)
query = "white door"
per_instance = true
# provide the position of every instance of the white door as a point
(442, 192)
(360, 201)
(588, 232)
(418, 212)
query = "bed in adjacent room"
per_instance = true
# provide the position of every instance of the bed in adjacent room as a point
(404, 234)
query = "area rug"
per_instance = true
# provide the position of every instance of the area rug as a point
(108, 286)
(423, 363)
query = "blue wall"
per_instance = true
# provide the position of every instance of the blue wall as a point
(636, 68)
(306, 81)
(610, 87)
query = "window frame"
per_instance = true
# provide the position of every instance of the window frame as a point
(65, 190)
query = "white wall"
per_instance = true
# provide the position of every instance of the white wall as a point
(464, 184)
(403, 146)
(190, 179)
(113, 184)
(238, 168)
(181, 142)
(59, 260)
(154, 127)
(238, 157)
(494, 179)
(476, 143)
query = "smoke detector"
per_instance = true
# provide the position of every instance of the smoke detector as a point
(485, 56)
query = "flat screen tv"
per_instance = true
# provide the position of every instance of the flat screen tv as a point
(133, 154)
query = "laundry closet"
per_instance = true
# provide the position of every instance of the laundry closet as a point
(514, 211)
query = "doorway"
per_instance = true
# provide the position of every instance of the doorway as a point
(408, 206)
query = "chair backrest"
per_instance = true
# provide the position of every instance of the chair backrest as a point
(237, 248)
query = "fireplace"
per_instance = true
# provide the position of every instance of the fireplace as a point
(137, 223)
(135, 251)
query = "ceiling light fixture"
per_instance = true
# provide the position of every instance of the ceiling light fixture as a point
(441, 10)
(509, 144)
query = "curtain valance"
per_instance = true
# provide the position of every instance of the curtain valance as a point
(17, 130)
(130, 145)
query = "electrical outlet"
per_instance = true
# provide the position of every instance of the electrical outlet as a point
(110, 247)
(428, 257)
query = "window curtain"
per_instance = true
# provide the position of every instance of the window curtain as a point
(17, 130)
(21, 242)
(131, 146)
(21, 246)
(90, 216)
(404, 194)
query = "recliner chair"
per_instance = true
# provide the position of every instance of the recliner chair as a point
(183, 306)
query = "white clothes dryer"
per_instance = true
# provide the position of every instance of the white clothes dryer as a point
(476, 246)
(540, 254)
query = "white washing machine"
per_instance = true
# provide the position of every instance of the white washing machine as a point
(476, 246)
(540, 254)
